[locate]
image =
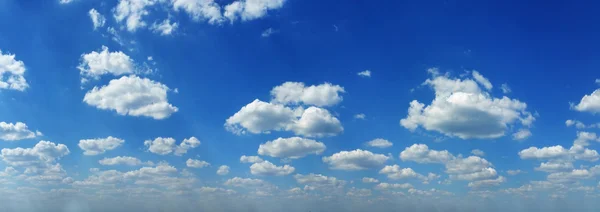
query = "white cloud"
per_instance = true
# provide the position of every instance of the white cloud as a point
(132, 12)
(319, 181)
(196, 163)
(522, 134)
(12, 73)
(472, 168)
(361, 116)
(223, 170)
(477, 152)
(251, 9)
(597, 81)
(482, 80)
(555, 166)
(394, 172)
(164, 146)
(573, 175)
(487, 182)
(421, 153)
(505, 88)
(165, 27)
(317, 122)
(39, 157)
(97, 19)
(462, 109)
(95, 64)
(355, 160)
(267, 168)
(16, 131)
(263, 117)
(514, 172)
(589, 103)
(356, 192)
(321, 95)
(65, 1)
(250, 159)
(543, 153)
(380, 143)
(199, 10)
(369, 180)
(244, 182)
(294, 147)
(388, 186)
(99, 145)
(365, 73)
(268, 32)
(120, 160)
(133, 96)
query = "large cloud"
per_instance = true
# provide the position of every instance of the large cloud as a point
(318, 95)
(263, 117)
(133, 96)
(95, 64)
(99, 145)
(16, 131)
(462, 109)
(164, 146)
(355, 160)
(267, 168)
(294, 147)
(12, 73)
(589, 103)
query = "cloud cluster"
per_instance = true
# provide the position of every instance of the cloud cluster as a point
(266, 168)
(463, 109)
(165, 146)
(16, 131)
(98, 146)
(293, 148)
(12, 73)
(355, 160)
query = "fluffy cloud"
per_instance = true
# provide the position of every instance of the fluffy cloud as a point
(369, 180)
(581, 125)
(589, 103)
(477, 152)
(470, 169)
(97, 19)
(543, 153)
(165, 27)
(16, 131)
(578, 150)
(296, 92)
(99, 145)
(573, 175)
(360, 116)
(555, 166)
(244, 182)
(223, 170)
(196, 163)
(267, 168)
(263, 117)
(462, 109)
(200, 10)
(379, 143)
(250, 9)
(365, 73)
(133, 96)
(95, 64)
(40, 157)
(394, 172)
(355, 160)
(120, 160)
(294, 148)
(319, 181)
(164, 146)
(250, 159)
(522, 134)
(12, 73)
(132, 11)
(421, 153)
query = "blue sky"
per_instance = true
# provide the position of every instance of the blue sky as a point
(150, 105)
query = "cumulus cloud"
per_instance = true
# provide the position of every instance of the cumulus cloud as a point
(98, 20)
(98, 146)
(12, 73)
(379, 143)
(164, 146)
(267, 168)
(421, 153)
(477, 152)
(120, 160)
(365, 73)
(223, 170)
(462, 109)
(16, 131)
(360, 116)
(250, 159)
(577, 151)
(395, 172)
(319, 181)
(522, 134)
(133, 96)
(355, 160)
(36, 159)
(369, 180)
(196, 163)
(244, 182)
(471, 168)
(132, 12)
(263, 117)
(201, 10)
(164, 28)
(247, 10)
(555, 166)
(589, 103)
(321, 95)
(293, 148)
(95, 64)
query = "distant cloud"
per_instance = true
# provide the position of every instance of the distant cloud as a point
(514, 172)
(365, 73)
(292, 148)
(589, 103)
(361, 116)
(97, 19)
(164, 28)
(99, 145)
(12, 73)
(196, 163)
(477, 152)
(355, 160)
(267, 168)
(164, 146)
(268, 32)
(379, 143)
(223, 170)
(16, 131)
(522, 134)
(505, 89)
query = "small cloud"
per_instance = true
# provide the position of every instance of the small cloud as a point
(505, 88)
(150, 58)
(335, 28)
(477, 152)
(598, 81)
(365, 73)
(268, 32)
(360, 116)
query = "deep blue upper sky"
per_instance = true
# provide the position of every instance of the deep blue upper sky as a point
(546, 52)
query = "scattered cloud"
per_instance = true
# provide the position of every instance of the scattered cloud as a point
(321, 95)
(267, 168)
(98, 20)
(477, 152)
(247, 10)
(522, 134)
(16, 131)
(380, 143)
(95, 64)
(165, 146)
(355, 160)
(589, 103)
(223, 170)
(98, 146)
(505, 88)
(360, 116)
(164, 28)
(196, 163)
(365, 73)
(293, 148)
(133, 96)
(421, 153)
(369, 180)
(12, 73)
(121, 160)
(268, 32)
(250, 159)
(514, 172)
